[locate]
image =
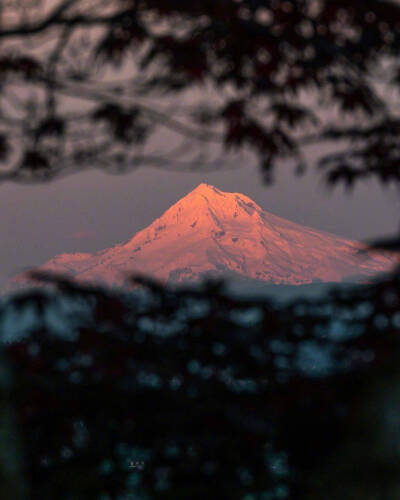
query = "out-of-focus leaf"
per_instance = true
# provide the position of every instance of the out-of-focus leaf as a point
(4, 147)
(392, 244)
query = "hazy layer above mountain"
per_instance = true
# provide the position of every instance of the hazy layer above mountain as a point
(210, 232)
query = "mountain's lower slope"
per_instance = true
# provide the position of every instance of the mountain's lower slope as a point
(209, 231)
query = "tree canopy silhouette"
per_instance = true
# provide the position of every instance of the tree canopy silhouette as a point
(88, 83)
(185, 393)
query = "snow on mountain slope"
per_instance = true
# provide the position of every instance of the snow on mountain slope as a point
(210, 231)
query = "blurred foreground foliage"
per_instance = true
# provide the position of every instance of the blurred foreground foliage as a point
(124, 83)
(178, 394)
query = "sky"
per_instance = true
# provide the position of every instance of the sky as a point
(92, 210)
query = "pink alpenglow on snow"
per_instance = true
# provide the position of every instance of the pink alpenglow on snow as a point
(226, 234)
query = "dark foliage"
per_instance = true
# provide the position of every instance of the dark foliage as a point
(183, 393)
(264, 76)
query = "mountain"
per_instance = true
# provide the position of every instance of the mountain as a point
(213, 232)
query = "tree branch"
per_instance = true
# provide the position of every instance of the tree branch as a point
(55, 18)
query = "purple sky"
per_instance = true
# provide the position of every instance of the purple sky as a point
(91, 211)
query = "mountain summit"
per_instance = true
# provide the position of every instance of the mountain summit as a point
(213, 232)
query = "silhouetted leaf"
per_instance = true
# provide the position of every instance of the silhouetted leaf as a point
(4, 147)
(51, 126)
(35, 161)
(391, 244)
(29, 67)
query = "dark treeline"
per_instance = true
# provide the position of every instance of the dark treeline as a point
(179, 393)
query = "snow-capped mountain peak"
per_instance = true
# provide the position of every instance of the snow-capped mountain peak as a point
(213, 232)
